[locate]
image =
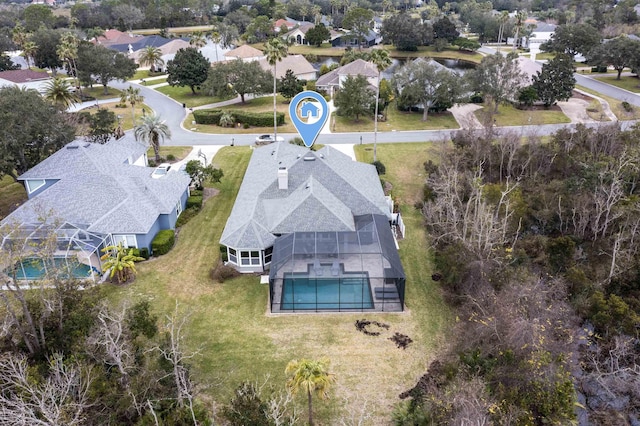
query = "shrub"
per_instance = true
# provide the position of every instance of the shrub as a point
(186, 216)
(171, 157)
(196, 193)
(195, 201)
(627, 106)
(223, 253)
(141, 252)
(256, 119)
(380, 168)
(151, 163)
(163, 242)
(223, 272)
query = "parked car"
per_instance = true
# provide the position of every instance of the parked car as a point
(266, 139)
(161, 170)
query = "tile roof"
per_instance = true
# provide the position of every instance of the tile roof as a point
(326, 189)
(96, 187)
(23, 76)
(296, 63)
(244, 52)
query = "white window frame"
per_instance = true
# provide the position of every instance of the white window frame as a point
(178, 208)
(269, 256)
(126, 240)
(232, 257)
(252, 260)
(29, 182)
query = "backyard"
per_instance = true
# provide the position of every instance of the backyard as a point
(239, 340)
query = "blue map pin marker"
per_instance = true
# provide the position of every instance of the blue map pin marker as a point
(312, 107)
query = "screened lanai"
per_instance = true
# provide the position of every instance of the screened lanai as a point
(36, 249)
(338, 271)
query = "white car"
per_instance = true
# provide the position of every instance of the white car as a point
(161, 170)
(265, 139)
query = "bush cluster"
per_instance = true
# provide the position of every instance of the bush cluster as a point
(222, 272)
(141, 252)
(186, 215)
(163, 242)
(194, 201)
(256, 119)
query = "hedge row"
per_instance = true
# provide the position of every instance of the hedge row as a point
(194, 201)
(257, 119)
(163, 242)
(141, 252)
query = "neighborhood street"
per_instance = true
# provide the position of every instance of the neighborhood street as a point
(174, 114)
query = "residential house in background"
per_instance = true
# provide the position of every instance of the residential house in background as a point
(301, 68)
(97, 195)
(333, 80)
(25, 79)
(246, 53)
(349, 40)
(542, 33)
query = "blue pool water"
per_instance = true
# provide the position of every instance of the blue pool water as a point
(300, 292)
(34, 269)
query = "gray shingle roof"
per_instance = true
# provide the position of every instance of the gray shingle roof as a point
(326, 189)
(357, 67)
(96, 186)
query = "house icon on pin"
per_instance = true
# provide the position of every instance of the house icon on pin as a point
(309, 109)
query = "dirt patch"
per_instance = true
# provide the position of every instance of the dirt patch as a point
(208, 193)
(582, 96)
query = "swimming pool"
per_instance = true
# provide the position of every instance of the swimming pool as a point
(33, 269)
(301, 292)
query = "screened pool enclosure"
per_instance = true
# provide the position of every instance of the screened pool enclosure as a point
(338, 271)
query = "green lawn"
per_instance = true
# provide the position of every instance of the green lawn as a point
(238, 340)
(449, 53)
(615, 105)
(179, 152)
(98, 92)
(396, 121)
(631, 84)
(262, 104)
(508, 115)
(12, 194)
(126, 119)
(145, 74)
(155, 81)
(185, 96)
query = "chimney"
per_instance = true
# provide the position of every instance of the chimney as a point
(283, 178)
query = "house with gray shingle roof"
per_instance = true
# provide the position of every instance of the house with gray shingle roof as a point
(288, 188)
(104, 193)
(334, 79)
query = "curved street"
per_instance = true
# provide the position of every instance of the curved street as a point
(174, 114)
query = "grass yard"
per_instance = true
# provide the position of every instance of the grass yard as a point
(396, 121)
(629, 83)
(237, 338)
(261, 104)
(179, 152)
(449, 53)
(615, 105)
(509, 115)
(155, 81)
(126, 118)
(12, 194)
(145, 74)
(98, 92)
(184, 95)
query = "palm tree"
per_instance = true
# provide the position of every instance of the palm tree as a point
(215, 38)
(58, 91)
(275, 51)
(310, 376)
(152, 130)
(520, 17)
(121, 262)
(503, 18)
(198, 40)
(382, 61)
(68, 52)
(151, 57)
(29, 49)
(133, 96)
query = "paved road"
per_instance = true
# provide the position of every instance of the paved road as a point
(174, 114)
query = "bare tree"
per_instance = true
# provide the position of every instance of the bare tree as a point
(175, 354)
(62, 398)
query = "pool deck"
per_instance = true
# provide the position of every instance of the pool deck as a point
(338, 267)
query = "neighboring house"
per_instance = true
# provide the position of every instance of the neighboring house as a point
(139, 43)
(289, 23)
(116, 37)
(297, 63)
(168, 50)
(244, 52)
(542, 33)
(299, 35)
(333, 80)
(350, 40)
(25, 79)
(322, 199)
(100, 195)
(529, 67)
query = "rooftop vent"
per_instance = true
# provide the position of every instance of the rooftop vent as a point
(283, 178)
(86, 145)
(72, 147)
(309, 158)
